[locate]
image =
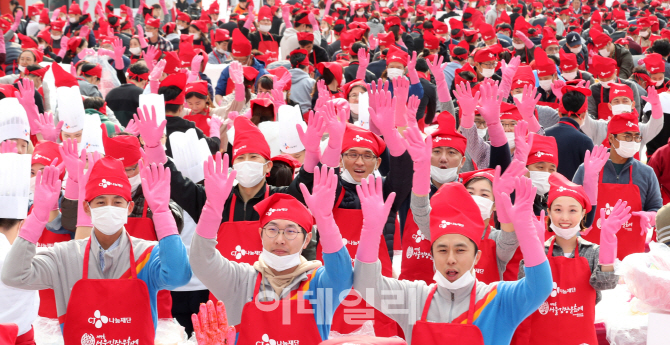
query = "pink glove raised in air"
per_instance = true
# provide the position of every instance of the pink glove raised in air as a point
(363, 62)
(373, 42)
(250, 20)
(467, 104)
(508, 72)
(63, 43)
(47, 191)
(522, 141)
(490, 111)
(140, 36)
(655, 101)
(437, 70)
(26, 97)
(411, 69)
(522, 217)
(156, 188)
(400, 96)
(119, 49)
(594, 161)
(218, 184)
(194, 73)
(311, 139)
(211, 325)
(84, 31)
(336, 122)
(69, 152)
(155, 76)
(132, 128)
(375, 214)
(286, 15)
(236, 73)
(17, 20)
(312, 20)
(152, 134)
(609, 226)
(45, 123)
(84, 219)
(556, 88)
(55, 15)
(647, 221)
(214, 126)
(529, 44)
(385, 106)
(420, 150)
(320, 203)
(526, 106)
(505, 184)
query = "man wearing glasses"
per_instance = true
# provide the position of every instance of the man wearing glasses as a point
(486, 61)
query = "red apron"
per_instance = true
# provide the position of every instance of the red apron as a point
(628, 238)
(571, 307)
(512, 269)
(108, 310)
(287, 321)
(354, 311)
(47, 298)
(269, 48)
(425, 332)
(487, 267)
(143, 227)
(200, 121)
(417, 262)
(604, 111)
(27, 338)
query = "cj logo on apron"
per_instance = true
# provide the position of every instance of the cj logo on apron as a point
(265, 340)
(98, 319)
(552, 307)
(628, 226)
(238, 253)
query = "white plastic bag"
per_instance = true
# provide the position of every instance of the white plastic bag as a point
(647, 276)
(109, 79)
(47, 331)
(169, 332)
(367, 329)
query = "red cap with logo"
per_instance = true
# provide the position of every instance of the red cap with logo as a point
(57, 25)
(446, 134)
(74, 9)
(430, 41)
(125, 148)
(153, 22)
(487, 32)
(561, 186)
(654, 63)
(108, 177)
(355, 136)
(468, 176)
(621, 123)
(395, 54)
(618, 90)
(488, 53)
(178, 80)
(221, 35)
(509, 112)
(600, 39)
(286, 207)
(386, 39)
(454, 211)
(249, 139)
(198, 86)
(568, 61)
(241, 45)
(183, 16)
(544, 65)
(549, 38)
(544, 149)
(45, 152)
(603, 67)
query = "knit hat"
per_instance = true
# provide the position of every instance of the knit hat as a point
(447, 135)
(523, 76)
(561, 186)
(221, 35)
(284, 206)
(108, 177)
(544, 149)
(618, 90)
(178, 80)
(249, 139)
(544, 65)
(395, 54)
(454, 211)
(45, 152)
(603, 67)
(568, 61)
(663, 224)
(654, 63)
(509, 111)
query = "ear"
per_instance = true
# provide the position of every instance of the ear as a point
(131, 207)
(609, 106)
(308, 238)
(478, 256)
(462, 163)
(268, 168)
(87, 208)
(379, 162)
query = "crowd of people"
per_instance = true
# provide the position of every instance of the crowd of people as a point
(277, 173)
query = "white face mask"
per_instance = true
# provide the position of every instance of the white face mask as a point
(135, 51)
(249, 173)
(627, 149)
(565, 233)
(569, 76)
(605, 84)
(73, 20)
(149, 34)
(485, 206)
(518, 96)
(383, 3)
(443, 175)
(281, 263)
(488, 72)
(109, 219)
(644, 34)
(393, 73)
(42, 26)
(220, 51)
(620, 109)
(135, 182)
(354, 108)
(482, 132)
(576, 50)
(360, 13)
(22, 68)
(546, 84)
(665, 5)
(264, 28)
(337, 6)
(473, 4)
(558, 56)
(36, 19)
(466, 279)
(196, 36)
(42, 46)
(55, 38)
(540, 181)
(510, 139)
(32, 184)
(180, 27)
(518, 46)
(604, 52)
(660, 82)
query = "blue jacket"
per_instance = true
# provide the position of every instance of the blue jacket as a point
(414, 89)
(225, 74)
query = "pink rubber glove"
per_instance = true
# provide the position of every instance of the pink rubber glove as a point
(556, 88)
(89, 51)
(84, 219)
(522, 141)
(8, 146)
(237, 76)
(286, 15)
(420, 150)
(281, 83)
(437, 70)
(375, 214)
(320, 203)
(312, 20)
(250, 20)
(155, 76)
(47, 191)
(156, 188)
(505, 184)
(327, 11)
(527, 107)
(84, 31)
(63, 44)
(411, 69)
(152, 134)
(132, 128)
(46, 127)
(214, 126)
(69, 152)
(17, 21)
(84, 7)
(400, 95)
(311, 139)
(363, 62)
(194, 73)
(655, 101)
(163, 6)
(211, 326)
(140, 36)
(529, 44)
(647, 221)
(594, 161)
(351, 11)
(508, 72)
(277, 98)
(540, 226)
(150, 56)
(490, 111)
(218, 184)
(336, 122)
(3, 49)
(373, 42)
(101, 52)
(522, 217)
(55, 15)
(466, 104)
(385, 105)
(412, 108)
(26, 97)
(119, 49)
(609, 226)
(99, 11)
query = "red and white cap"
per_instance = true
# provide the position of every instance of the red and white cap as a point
(396, 54)
(108, 177)
(355, 136)
(618, 90)
(544, 149)
(447, 135)
(241, 45)
(454, 211)
(249, 139)
(603, 67)
(70, 105)
(285, 207)
(654, 63)
(622, 123)
(125, 148)
(561, 186)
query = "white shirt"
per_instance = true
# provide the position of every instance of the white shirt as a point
(16, 305)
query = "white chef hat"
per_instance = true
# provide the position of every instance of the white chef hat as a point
(91, 137)
(14, 185)
(273, 135)
(288, 117)
(189, 153)
(70, 104)
(14, 122)
(158, 101)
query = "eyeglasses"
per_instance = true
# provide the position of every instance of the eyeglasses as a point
(353, 156)
(489, 65)
(629, 138)
(552, 50)
(289, 232)
(509, 125)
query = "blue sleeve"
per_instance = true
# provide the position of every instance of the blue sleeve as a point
(330, 285)
(449, 76)
(416, 89)
(171, 270)
(521, 298)
(222, 83)
(579, 175)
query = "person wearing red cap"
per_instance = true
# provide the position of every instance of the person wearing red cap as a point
(261, 39)
(124, 100)
(604, 69)
(302, 82)
(304, 21)
(220, 53)
(91, 76)
(107, 201)
(547, 75)
(608, 49)
(625, 178)
(570, 68)
(152, 33)
(655, 65)
(358, 67)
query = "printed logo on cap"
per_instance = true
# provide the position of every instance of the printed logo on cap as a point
(359, 138)
(568, 67)
(104, 184)
(561, 189)
(574, 38)
(491, 55)
(618, 90)
(236, 51)
(444, 224)
(654, 68)
(273, 210)
(38, 156)
(630, 124)
(237, 149)
(540, 154)
(437, 139)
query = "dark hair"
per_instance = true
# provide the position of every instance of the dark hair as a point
(169, 93)
(328, 76)
(262, 114)
(338, 28)
(476, 179)
(304, 43)
(662, 47)
(356, 46)
(573, 101)
(7, 223)
(281, 174)
(203, 35)
(113, 20)
(94, 103)
(296, 59)
(298, 18)
(33, 67)
(29, 51)
(265, 82)
(421, 65)
(138, 68)
(198, 95)
(554, 59)
(395, 29)
(473, 243)
(86, 66)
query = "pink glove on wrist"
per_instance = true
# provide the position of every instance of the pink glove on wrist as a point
(609, 227)
(311, 139)
(84, 31)
(420, 150)
(320, 202)
(526, 106)
(375, 214)
(328, 4)
(55, 15)
(385, 104)
(653, 99)
(313, 22)
(214, 126)
(437, 70)
(156, 188)
(3, 49)
(47, 191)
(46, 127)
(373, 41)
(17, 21)
(411, 69)
(529, 44)
(647, 221)
(84, 219)
(286, 15)
(505, 184)
(63, 44)
(594, 161)
(466, 104)
(400, 95)
(363, 62)
(26, 97)
(218, 185)
(490, 111)
(119, 49)
(508, 72)
(556, 88)
(523, 142)
(250, 20)
(336, 123)
(140, 36)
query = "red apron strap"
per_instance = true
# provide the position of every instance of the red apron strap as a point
(144, 210)
(551, 248)
(339, 199)
(426, 306)
(257, 287)
(133, 266)
(231, 216)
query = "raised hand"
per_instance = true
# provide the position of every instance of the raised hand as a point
(363, 62)
(47, 191)
(281, 83)
(236, 72)
(84, 7)
(420, 150)
(17, 20)
(286, 16)
(412, 108)
(218, 184)
(8, 146)
(522, 141)
(647, 221)
(609, 226)
(320, 203)
(156, 186)
(88, 52)
(508, 72)
(594, 161)
(277, 97)
(313, 22)
(84, 31)
(157, 71)
(505, 184)
(211, 325)
(411, 69)
(655, 101)
(311, 137)
(526, 106)
(45, 123)
(466, 103)
(386, 104)
(375, 211)
(556, 88)
(151, 132)
(490, 104)
(119, 49)
(373, 41)
(26, 97)
(400, 95)
(336, 122)
(150, 56)
(140, 36)
(63, 43)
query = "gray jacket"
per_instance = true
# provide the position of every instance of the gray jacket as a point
(301, 88)
(596, 90)
(597, 129)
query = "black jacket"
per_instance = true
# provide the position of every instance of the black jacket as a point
(573, 145)
(377, 68)
(332, 49)
(255, 39)
(124, 101)
(351, 70)
(428, 103)
(178, 124)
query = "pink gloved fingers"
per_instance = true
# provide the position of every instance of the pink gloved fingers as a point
(619, 215)
(522, 141)
(420, 150)
(375, 212)
(594, 161)
(17, 20)
(156, 185)
(647, 221)
(401, 94)
(239, 93)
(214, 127)
(320, 203)
(556, 88)
(363, 61)
(411, 69)
(529, 44)
(63, 43)
(118, 54)
(336, 128)
(250, 21)
(54, 16)
(218, 183)
(140, 36)
(655, 101)
(8, 146)
(286, 15)
(3, 49)
(467, 103)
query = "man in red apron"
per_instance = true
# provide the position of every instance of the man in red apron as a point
(100, 295)
(605, 69)
(264, 41)
(546, 73)
(625, 178)
(220, 53)
(464, 311)
(274, 300)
